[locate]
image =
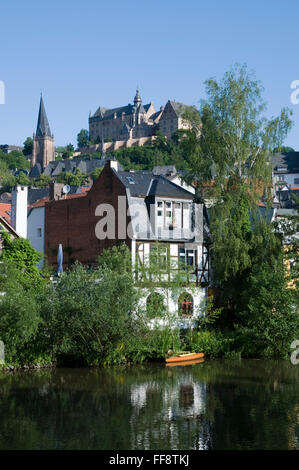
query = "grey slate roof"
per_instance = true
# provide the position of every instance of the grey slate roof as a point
(35, 194)
(165, 170)
(106, 114)
(179, 108)
(85, 165)
(35, 171)
(287, 160)
(144, 183)
(43, 128)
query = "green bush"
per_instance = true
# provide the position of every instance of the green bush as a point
(87, 316)
(19, 315)
(214, 344)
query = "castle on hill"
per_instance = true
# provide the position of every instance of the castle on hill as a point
(136, 121)
(134, 124)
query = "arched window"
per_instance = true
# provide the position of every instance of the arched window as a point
(185, 304)
(155, 305)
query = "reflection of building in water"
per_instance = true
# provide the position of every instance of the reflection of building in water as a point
(173, 411)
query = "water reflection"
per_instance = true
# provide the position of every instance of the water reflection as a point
(212, 405)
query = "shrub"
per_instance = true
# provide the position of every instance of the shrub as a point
(214, 343)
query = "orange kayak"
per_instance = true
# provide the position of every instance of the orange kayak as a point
(185, 357)
(185, 363)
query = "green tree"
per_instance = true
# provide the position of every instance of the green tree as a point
(83, 138)
(80, 318)
(15, 160)
(43, 181)
(22, 256)
(268, 310)
(283, 149)
(96, 173)
(22, 179)
(19, 313)
(28, 146)
(69, 150)
(229, 152)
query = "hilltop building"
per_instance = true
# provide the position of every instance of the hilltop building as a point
(136, 121)
(43, 140)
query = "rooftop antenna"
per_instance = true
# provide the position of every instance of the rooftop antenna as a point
(66, 189)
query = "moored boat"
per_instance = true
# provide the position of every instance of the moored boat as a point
(185, 357)
(185, 363)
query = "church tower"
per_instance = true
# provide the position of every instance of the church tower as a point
(43, 140)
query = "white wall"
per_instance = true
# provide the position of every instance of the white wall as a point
(36, 230)
(19, 210)
(289, 178)
(177, 180)
(199, 295)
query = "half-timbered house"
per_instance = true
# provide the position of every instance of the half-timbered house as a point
(148, 212)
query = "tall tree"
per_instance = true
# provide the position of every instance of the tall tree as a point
(83, 138)
(229, 155)
(28, 146)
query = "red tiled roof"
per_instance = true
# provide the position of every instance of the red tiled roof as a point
(40, 203)
(4, 209)
(294, 188)
(43, 201)
(74, 196)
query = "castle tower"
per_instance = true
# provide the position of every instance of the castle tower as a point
(137, 99)
(43, 140)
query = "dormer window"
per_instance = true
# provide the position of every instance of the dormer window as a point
(172, 214)
(130, 180)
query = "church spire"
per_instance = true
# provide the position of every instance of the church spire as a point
(43, 128)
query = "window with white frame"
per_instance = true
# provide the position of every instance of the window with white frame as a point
(173, 214)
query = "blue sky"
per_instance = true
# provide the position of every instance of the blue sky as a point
(82, 54)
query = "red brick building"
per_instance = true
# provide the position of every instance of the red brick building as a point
(72, 221)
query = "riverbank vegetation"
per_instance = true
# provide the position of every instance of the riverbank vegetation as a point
(95, 318)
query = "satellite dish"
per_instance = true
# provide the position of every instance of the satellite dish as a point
(66, 189)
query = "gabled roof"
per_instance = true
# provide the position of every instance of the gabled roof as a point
(43, 128)
(145, 183)
(106, 114)
(287, 160)
(85, 165)
(161, 186)
(35, 171)
(35, 194)
(179, 108)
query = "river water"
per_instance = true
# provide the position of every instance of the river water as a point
(218, 404)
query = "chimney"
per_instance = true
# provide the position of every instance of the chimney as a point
(19, 210)
(56, 191)
(113, 164)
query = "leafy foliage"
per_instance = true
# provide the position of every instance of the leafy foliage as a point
(20, 253)
(83, 138)
(19, 313)
(28, 146)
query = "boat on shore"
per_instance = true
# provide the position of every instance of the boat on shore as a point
(186, 357)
